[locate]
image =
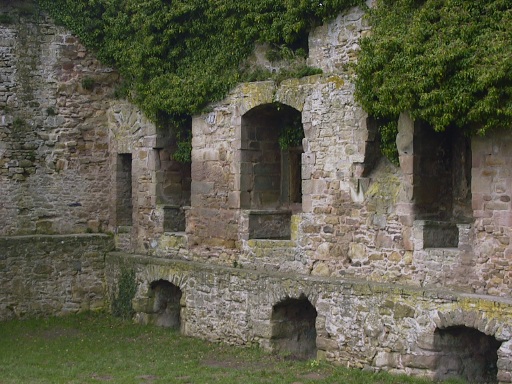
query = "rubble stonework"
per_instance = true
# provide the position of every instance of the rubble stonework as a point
(60, 274)
(391, 262)
(54, 169)
(358, 324)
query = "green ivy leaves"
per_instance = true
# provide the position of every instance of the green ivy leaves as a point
(448, 62)
(178, 56)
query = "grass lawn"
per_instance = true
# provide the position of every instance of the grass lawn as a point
(96, 348)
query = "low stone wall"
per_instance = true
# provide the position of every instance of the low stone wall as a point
(358, 323)
(52, 275)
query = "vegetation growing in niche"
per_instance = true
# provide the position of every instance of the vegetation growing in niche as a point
(88, 83)
(6, 19)
(126, 289)
(446, 62)
(291, 132)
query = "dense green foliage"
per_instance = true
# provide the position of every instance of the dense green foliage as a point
(291, 132)
(177, 56)
(447, 62)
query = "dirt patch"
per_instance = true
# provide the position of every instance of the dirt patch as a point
(95, 376)
(147, 379)
(57, 333)
(236, 364)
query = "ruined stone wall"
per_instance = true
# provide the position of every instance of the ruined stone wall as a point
(160, 186)
(54, 169)
(358, 324)
(335, 139)
(491, 195)
(380, 276)
(348, 222)
(361, 216)
(52, 275)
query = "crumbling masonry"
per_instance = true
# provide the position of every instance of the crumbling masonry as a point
(325, 250)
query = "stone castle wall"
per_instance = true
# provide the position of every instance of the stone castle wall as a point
(54, 168)
(358, 324)
(52, 275)
(386, 254)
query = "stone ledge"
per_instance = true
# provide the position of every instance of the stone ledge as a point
(358, 285)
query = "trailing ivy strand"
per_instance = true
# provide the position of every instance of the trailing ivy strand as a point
(447, 62)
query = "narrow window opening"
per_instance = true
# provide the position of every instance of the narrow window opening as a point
(124, 205)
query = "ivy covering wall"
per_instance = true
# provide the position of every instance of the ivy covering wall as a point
(447, 62)
(176, 56)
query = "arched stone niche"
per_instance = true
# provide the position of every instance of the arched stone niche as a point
(162, 306)
(466, 353)
(270, 174)
(472, 346)
(293, 329)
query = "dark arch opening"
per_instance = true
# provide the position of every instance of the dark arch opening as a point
(466, 353)
(293, 328)
(271, 155)
(166, 304)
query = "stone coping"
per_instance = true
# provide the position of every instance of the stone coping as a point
(360, 285)
(58, 237)
(268, 211)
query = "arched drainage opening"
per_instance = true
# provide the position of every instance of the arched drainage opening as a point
(166, 304)
(293, 328)
(466, 353)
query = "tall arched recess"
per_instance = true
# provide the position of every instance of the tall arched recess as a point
(270, 169)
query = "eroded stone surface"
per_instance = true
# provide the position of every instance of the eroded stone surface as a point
(385, 253)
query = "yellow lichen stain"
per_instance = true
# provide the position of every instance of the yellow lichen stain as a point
(492, 309)
(295, 221)
(258, 91)
(337, 81)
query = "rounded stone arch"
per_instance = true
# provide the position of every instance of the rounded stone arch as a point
(468, 345)
(472, 319)
(250, 95)
(161, 299)
(280, 293)
(293, 327)
(270, 172)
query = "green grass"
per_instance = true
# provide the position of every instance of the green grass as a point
(95, 348)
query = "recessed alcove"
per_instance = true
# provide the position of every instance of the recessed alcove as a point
(174, 218)
(173, 177)
(270, 171)
(293, 328)
(437, 166)
(166, 311)
(466, 353)
(442, 175)
(124, 205)
(269, 224)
